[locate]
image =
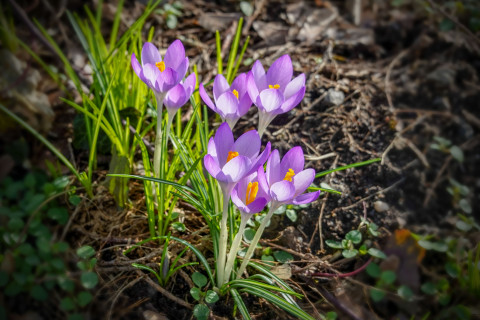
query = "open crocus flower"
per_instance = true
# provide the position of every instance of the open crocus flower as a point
(231, 102)
(286, 180)
(228, 161)
(178, 96)
(161, 75)
(274, 92)
(249, 196)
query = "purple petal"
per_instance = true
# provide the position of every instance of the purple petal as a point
(206, 98)
(182, 70)
(270, 100)
(282, 191)
(223, 143)
(166, 80)
(189, 84)
(248, 144)
(175, 55)
(294, 86)
(211, 165)
(227, 105)
(260, 160)
(212, 149)
(237, 199)
(259, 76)
(220, 85)
(306, 198)
(293, 159)
(292, 102)
(176, 97)
(236, 168)
(262, 181)
(303, 180)
(136, 66)
(151, 75)
(280, 72)
(273, 168)
(244, 105)
(240, 84)
(256, 205)
(252, 89)
(150, 54)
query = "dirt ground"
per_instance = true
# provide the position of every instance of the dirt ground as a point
(383, 87)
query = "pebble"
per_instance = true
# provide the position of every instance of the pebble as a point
(335, 97)
(381, 206)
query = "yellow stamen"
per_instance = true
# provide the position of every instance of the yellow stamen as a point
(277, 86)
(252, 190)
(231, 155)
(289, 175)
(235, 92)
(161, 66)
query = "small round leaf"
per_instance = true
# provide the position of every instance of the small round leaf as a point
(199, 279)
(89, 279)
(201, 312)
(211, 296)
(195, 293)
(85, 252)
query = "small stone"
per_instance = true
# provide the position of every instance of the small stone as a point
(335, 97)
(381, 206)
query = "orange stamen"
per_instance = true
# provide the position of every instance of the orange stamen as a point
(231, 155)
(161, 66)
(289, 175)
(235, 92)
(252, 190)
(276, 86)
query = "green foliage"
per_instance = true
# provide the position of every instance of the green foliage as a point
(171, 13)
(36, 260)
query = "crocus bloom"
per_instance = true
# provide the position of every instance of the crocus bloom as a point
(178, 96)
(274, 92)
(228, 161)
(249, 196)
(286, 180)
(161, 75)
(231, 102)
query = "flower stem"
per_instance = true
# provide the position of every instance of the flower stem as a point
(234, 248)
(157, 155)
(274, 206)
(222, 250)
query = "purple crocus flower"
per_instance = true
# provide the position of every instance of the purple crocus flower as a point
(228, 161)
(161, 75)
(231, 102)
(274, 92)
(178, 96)
(286, 180)
(249, 196)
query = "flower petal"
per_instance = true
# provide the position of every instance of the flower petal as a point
(166, 80)
(150, 54)
(259, 76)
(237, 199)
(211, 165)
(303, 180)
(136, 66)
(252, 89)
(220, 85)
(273, 168)
(236, 168)
(280, 72)
(240, 84)
(181, 70)
(294, 86)
(306, 198)
(256, 205)
(282, 191)
(176, 97)
(260, 160)
(151, 75)
(227, 105)
(262, 181)
(293, 159)
(189, 84)
(244, 105)
(223, 143)
(292, 102)
(270, 100)
(175, 55)
(206, 98)
(248, 144)
(212, 149)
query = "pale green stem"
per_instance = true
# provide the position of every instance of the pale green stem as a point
(235, 246)
(255, 240)
(222, 250)
(171, 115)
(158, 139)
